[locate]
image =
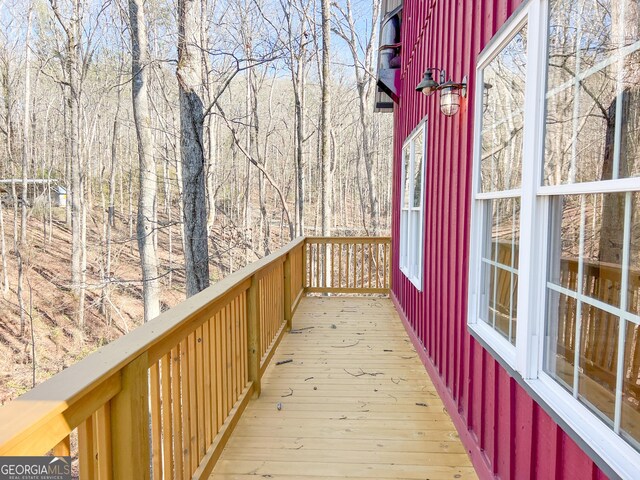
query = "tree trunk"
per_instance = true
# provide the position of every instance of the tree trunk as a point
(191, 142)
(26, 154)
(3, 253)
(325, 147)
(111, 211)
(298, 89)
(145, 226)
(73, 109)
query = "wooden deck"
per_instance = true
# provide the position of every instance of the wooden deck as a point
(354, 402)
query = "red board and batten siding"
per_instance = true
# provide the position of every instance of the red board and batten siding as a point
(507, 433)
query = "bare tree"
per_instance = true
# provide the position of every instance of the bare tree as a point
(3, 253)
(325, 126)
(72, 73)
(192, 147)
(148, 182)
(365, 83)
(26, 151)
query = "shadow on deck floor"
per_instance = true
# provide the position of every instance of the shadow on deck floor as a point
(355, 402)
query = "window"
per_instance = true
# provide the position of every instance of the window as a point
(412, 206)
(554, 278)
(500, 178)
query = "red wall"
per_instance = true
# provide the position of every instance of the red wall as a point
(506, 432)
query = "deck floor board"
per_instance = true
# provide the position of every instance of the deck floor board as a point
(356, 402)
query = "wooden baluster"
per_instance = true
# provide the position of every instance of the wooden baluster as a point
(239, 343)
(130, 422)
(384, 268)
(317, 265)
(340, 265)
(243, 343)
(206, 372)
(165, 380)
(237, 347)
(253, 316)
(232, 354)
(332, 274)
(186, 413)
(219, 369)
(306, 282)
(199, 390)
(214, 376)
(193, 401)
(287, 291)
(156, 453)
(176, 411)
(370, 251)
(362, 266)
(355, 265)
(377, 268)
(225, 358)
(346, 266)
(102, 432)
(86, 450)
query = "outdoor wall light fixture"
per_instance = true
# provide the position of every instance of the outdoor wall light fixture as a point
(428, 85)
(450, 92)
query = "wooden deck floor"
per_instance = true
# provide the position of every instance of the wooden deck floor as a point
(355, 402)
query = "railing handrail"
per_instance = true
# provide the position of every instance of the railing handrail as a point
(25, 414)
(352, 240)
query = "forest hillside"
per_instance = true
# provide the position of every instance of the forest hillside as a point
(150, 148)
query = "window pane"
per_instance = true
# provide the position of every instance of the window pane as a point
(403, 238)
(415, 244)
(505, 231)
(417, 170)
(593, 124)
(501, 304)
(630, 415)
(633, 301)
(502, 118)
(502, 297)
(601, 216)
(407, 172)
(500, 263)
(565, 242)
(558, 137)
(602, 256)
(598, 360)
(560, 338)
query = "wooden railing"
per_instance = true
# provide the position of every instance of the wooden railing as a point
(162, 401)
(348, 264)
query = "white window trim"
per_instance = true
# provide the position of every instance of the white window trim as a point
(526, 358)
(406, 236)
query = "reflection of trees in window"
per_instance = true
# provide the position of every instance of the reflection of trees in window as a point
(502, 118)
(593, 129)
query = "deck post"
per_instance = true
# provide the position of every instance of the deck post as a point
(287, 291)
(253, 337)
(304, 265)
(130, 422)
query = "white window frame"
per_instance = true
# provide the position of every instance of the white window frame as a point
(412, 232)
(526, 357)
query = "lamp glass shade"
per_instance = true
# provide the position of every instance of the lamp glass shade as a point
(428, 85)
(449, 101)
